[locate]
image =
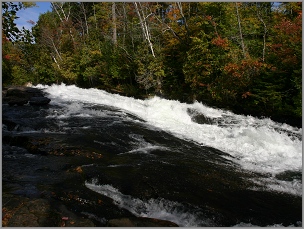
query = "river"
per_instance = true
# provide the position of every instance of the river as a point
(187, 163)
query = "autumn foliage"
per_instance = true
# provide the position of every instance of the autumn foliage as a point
(246, 56)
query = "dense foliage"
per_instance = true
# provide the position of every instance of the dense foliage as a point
(243, 56)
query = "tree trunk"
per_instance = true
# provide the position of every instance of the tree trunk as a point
(54, 58)
(65, 16)
(57, 6)
(85, 17)
(114, 24)
(264, 35)
(179, 4)
(144, 27)
(95, 16)
(240, 30)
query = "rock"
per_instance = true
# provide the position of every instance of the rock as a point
(17, 92)
(33, 92)
(202, 119)
(28, 84)
(140, 222)
(25, 212)
(8, 124)
(30, 213)
(70, 219)
(24, 92)
(19, 101)
(198, 117)
(22, 95)
(39, 101)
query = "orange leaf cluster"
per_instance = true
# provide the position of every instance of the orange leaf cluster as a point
(220, 42)
(246, 94)
(286, 54)
(287, 27)
(209, 18)
(246, 67)
(232, 69)
(79, 169)
(174, 14)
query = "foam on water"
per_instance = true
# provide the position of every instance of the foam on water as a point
(152, 208)
(92, 216)
(141, 146)
(292, 187)
(257, 144)
(299, 224)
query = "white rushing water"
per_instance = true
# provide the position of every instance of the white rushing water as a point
(160, 208)
(260, 145)
(152, 208)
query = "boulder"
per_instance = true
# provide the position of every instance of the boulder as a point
(22, 95)
(23, 91)
(39, 101)
(33, 92)
(19, 101)
(21, 211)
(16, 92)
(140, 222)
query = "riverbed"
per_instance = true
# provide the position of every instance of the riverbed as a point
(104, 156)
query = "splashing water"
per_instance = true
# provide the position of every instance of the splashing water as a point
(260, 145)
(152, 208)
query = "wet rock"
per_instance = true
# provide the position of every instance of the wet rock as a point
(198, 117)
(69, 219)
(17, 92)
(15, 141)
(289, 175)
(24, 91)
(32, 145)
(33, 92)
(22, 95)
(140, 222)
(9, 125)
(39, 101)
(201, 119)
(19, 101)
(24, 212)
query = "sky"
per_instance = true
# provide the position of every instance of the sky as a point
(31, 13)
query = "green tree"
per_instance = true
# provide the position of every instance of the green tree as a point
(9, 14)
(245, 56)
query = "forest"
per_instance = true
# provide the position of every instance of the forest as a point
(241, 56)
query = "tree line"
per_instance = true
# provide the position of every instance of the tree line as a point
(244, 56)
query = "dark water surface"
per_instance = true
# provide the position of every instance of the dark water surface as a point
(115, 164)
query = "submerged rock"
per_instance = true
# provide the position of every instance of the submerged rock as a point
(198, 117)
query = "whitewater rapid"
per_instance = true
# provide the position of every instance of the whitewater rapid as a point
(259, 145)
(153, 208)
